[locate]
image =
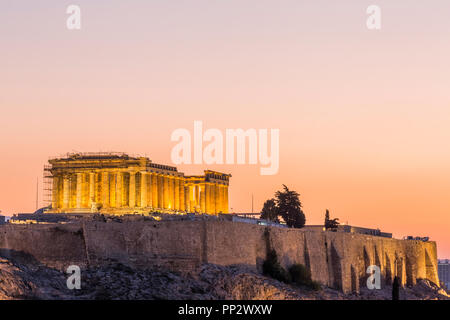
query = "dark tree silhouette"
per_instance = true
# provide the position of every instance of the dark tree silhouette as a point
(270, 211)
(330, 223)
(327, 218)
(396, 289)
(290, 207)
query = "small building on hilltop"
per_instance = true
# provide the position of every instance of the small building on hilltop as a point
(352, 229)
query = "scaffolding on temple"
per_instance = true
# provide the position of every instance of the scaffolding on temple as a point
(47, 186)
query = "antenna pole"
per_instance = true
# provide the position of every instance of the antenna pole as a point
(37, 192)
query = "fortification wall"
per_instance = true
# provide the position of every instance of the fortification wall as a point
(53, 245)
(338, 260)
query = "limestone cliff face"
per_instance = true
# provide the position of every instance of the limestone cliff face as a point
(115, 281)
(337, 260)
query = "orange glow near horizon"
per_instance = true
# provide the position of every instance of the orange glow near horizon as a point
(363, 116)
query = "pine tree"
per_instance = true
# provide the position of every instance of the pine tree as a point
(290, 207)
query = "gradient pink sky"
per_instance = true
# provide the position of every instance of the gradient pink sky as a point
(363, 115)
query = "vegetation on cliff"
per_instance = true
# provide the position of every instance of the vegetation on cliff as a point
(330, 224)
(297, 274)
(286, 205)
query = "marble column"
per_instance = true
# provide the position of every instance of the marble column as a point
(149, 189)
(85, 193)
(226, 206)
(91, 189)
(66, 192)
(119, 183)
(218, 203)
(112, 189)
(98, 187)
(202, 198)
(221, 198)
(208, 197)
(161, 191)
(181, 192)
(219, 207)
(105, 189)
(132, 190)
(166, 192)
(213, 199)
(192, 196)
(155, 203)
(54, 192)
(79, 190)
(196, 197)
(171, 192)
(144, 192)
(177, 193)
(187, 199)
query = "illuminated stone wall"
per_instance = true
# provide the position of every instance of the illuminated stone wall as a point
(114, 183)
(335, 259)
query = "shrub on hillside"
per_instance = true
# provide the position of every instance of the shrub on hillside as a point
(273, 268)
(300, 275)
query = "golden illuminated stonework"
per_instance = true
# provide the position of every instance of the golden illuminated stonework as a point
(115, 183)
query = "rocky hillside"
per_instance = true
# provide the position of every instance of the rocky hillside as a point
(19, 280)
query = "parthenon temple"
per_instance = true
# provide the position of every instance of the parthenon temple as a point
(116, 183)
